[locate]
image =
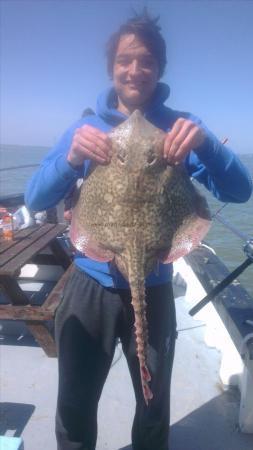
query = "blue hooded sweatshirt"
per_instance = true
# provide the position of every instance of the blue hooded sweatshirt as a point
(212, 164)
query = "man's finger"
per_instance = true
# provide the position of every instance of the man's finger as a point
(195, 138)
(98, 134)
(97, 146)
(186, 145)
(96, 137)
(95, 157)
(171, 135)
(177, 138)
(91, 148)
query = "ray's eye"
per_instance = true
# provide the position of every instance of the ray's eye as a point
(151, 157)
(122, 156)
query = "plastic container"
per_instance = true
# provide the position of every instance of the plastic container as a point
(7, 227)
(22, 219)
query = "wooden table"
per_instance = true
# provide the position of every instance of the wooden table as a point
(26, 245)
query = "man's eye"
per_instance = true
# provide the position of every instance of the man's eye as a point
(122, 62)
(147, 63)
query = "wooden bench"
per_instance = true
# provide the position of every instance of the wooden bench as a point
(25, 247)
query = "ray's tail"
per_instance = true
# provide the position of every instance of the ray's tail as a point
(136, 278)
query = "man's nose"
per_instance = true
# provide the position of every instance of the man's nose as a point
(134, 68)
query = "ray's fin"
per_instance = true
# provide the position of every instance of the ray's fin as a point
(192, 230)
(85, 244)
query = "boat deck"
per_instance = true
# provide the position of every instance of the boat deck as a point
(203, 415)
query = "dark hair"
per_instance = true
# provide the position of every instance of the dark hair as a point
(147, 30)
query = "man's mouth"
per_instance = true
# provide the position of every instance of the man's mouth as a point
(135, 85)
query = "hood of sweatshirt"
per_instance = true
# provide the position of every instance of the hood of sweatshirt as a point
(107, 105)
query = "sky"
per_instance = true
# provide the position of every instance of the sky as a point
(53, 63)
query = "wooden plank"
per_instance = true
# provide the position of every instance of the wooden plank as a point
(37, 313)
(26, 312)
(54, 298)
(43, 337)
(4, 245)
(18, 236)
(44, 259)
(13, 265)
(20, 245)
(13, 290)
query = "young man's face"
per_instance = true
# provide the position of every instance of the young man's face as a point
(135, 73)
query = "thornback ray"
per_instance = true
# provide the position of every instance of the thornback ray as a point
(136, 211)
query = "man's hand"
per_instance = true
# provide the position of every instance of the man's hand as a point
(89, 143)
(184, 136)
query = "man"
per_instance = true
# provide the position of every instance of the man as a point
(96, 308)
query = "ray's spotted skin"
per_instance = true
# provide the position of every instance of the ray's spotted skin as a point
(138, 210)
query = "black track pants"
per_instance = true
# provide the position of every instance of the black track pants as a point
(88, 322)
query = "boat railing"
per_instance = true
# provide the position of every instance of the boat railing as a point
(17, 199)
(25, 166)
(13, 201)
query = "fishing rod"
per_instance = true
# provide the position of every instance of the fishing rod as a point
(2, 169)
(248, 250)
(231, 227)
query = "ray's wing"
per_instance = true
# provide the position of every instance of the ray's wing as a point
(190, 217)
(84, 240)
(188, 236)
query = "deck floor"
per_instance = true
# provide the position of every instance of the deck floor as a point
(203, 416)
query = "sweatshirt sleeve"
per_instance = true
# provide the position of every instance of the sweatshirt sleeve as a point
(54, 178)
(219, 169)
